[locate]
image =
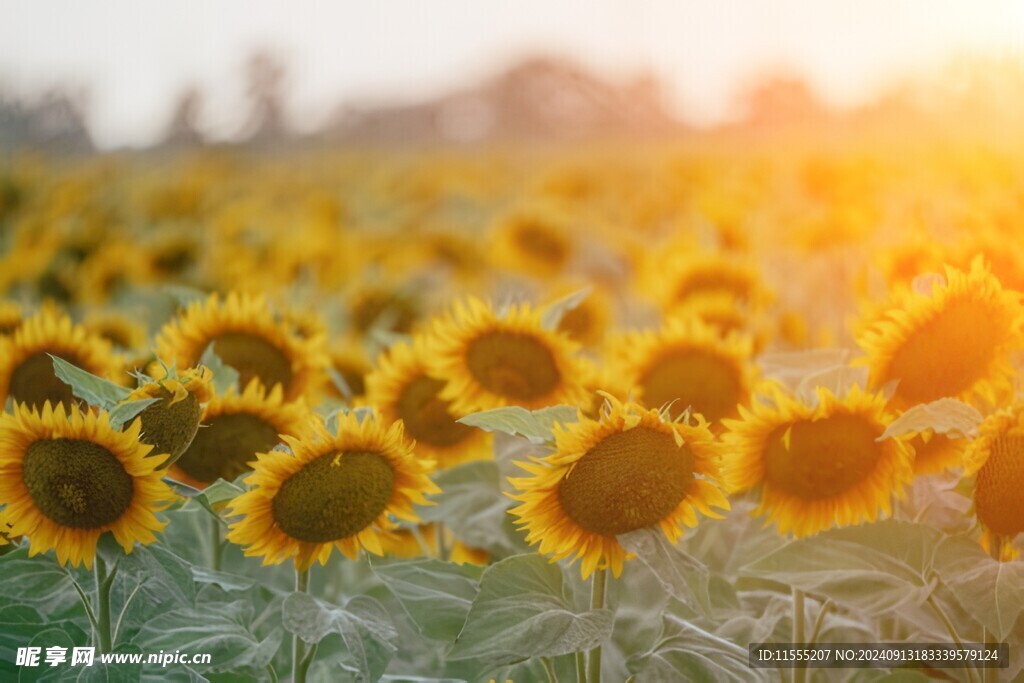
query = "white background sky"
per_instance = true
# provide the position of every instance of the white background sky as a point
(136, 55)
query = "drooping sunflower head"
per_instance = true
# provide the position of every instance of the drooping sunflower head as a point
(234, 428)
(332, 491)
(997, 458)
(26, 368)
(533, 240)
(491, 360)
(246, 335)
(954, 342)
(402, 388)
(630, 469)
(817, 466)
(170, 424)
(68, 477)
(686, 364)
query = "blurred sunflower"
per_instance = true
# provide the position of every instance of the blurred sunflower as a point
(686, 363)
(68, 477)
(170, 424)
(401, 388)
(491, 360)
(10, 317)
(533, 240)
(380, 306)
(348, 359)
(630, 469)
(246, 336)
(587, 322)
(124, 332)
(26, 369)
(935, 453)
(953, 342)
(997, 458)
(234, 429)
(683, 275)
(330, 492)
(817, 466)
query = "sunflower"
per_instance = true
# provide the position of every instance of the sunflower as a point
(246, 336)
(817, 466)
(682, 275)
(954, 342)
(26, 369)
(394, 308)
(533, 240)
(124, 332)
(348, 359)
(170, 424)
(68, 477)
(686, 363)
(997, 458)
(10, 317)
(492, 360)
(331, 492)
(234, 429)
(630, 469)
(935, 453)
(401, 388)
(587, 322)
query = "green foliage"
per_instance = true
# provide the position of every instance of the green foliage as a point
(522, 612)
(94, 390)
(437, 595)
(224, 376)
(129, 410)
(535, 425)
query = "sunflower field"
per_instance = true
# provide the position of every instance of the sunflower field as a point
(607, 414)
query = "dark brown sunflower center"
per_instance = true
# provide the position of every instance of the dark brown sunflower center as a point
(77, 484)
(542, 243)
(255, 357)
(514, 365)
(394, 311)
(170, 428)
(997, 498)
(628, 481)
(706, 382)
(426, 416)
(116, 335)
(822, 459)
(223, 447)
(34, 382)
(334, 496)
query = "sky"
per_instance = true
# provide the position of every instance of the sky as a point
(135, 56)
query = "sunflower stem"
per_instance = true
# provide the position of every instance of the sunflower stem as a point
(995, 551)
(581, 667)
(104, 582)
(442, 545)
(933, 603)
(799, 671)
(549, 669)
(85, 602)
(215, 546)
(597, 591)
(300, 665)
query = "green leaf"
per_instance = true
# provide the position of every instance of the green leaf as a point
(535, 425)
(219, 630)
(38, 582)
(876, 568)
(682, 576)
(686, 652)
(129, 410)
(224, 376)
(224, 580)
(94, 390)
(49, 637)
(181, 488)
(521, 612)
(217, 495)
(437, 595)
(473, 507)
(364, 626)
(946, 416)
(991, 592)
(150, 580)
(556, 310)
